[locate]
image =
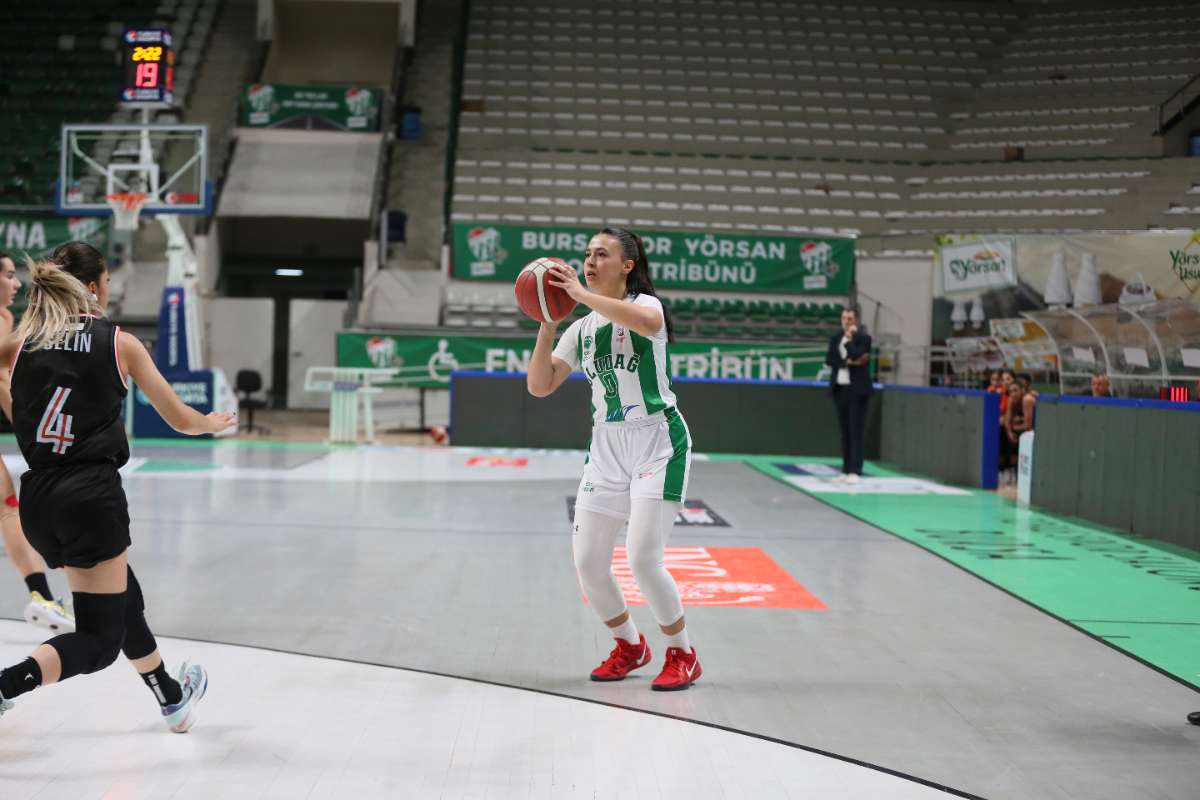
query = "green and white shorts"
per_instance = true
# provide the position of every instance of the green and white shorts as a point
(647, 458)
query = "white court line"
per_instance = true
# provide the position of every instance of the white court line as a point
(366, 464)
(276, 725)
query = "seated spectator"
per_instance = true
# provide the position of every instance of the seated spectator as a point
(1023, 419)
(1008, 442)
(1101, 386)
(1019, 417)
(1006, 381)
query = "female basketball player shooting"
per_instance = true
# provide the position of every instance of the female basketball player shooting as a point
(640, 455)
(42, 609)
(69, 368)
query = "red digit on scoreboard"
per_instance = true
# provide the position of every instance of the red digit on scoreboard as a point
(147, 75)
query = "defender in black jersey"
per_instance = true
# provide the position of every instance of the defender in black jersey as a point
(67, 400)
(70, 370)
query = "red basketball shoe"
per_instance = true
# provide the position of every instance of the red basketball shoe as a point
(680, 671)
(624, 659)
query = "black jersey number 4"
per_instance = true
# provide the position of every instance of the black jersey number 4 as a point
(55, 427)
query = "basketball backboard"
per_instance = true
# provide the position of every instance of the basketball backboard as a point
(168, 163)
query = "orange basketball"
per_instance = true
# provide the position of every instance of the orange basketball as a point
(537, 297)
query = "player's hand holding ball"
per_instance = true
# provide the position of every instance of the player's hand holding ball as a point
(544, 292)
(566, 278)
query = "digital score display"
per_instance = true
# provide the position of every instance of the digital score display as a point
(148, 62)
(1178, 394)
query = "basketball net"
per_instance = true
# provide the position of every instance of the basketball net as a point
(126, 206)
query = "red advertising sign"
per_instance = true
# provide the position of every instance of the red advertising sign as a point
(722, 576)
(496, 461)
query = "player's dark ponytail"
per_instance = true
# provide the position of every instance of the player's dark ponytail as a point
(81, 260)
(58, 293)
(638, 281)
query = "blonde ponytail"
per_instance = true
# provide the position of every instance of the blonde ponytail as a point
(56, 299)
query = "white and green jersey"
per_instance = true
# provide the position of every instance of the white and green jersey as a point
(627, 371)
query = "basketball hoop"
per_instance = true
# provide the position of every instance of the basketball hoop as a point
(126, 206)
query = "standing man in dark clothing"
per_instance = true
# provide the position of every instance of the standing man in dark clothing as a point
(850, 384)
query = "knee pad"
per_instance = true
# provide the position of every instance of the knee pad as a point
(139, 641)
(595, 535)
(99, 632)
(649, 531)
(592, 544)
(645, 562)
(650, 525)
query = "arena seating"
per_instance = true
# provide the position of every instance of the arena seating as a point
(694, 315)
(823, 117)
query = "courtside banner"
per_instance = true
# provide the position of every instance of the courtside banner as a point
(347, 108)
(678, 260)
(427, 361)
(37, 236)
(174, 349)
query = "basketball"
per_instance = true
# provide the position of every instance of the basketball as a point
(537, 297)
(439, 434)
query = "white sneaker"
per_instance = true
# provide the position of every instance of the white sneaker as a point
(49, 614)
(841, 478)
(194, 682)
(851, 478)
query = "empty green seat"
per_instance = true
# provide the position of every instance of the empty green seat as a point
(759, 311)
(710, 309)
(683, 308)
(784, 313)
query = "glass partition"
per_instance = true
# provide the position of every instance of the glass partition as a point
(1144, 348)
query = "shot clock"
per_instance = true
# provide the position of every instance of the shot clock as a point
(149, 66)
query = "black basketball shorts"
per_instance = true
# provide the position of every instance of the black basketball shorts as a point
(75, 516)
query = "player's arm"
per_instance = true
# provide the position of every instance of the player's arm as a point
(8, 350)
(858, 349)
(546, 373)
(638, 318)
(176, 413)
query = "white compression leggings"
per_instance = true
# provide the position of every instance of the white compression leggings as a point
(650, 524)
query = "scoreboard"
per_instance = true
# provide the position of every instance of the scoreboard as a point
(148, 62)
(1179, 394)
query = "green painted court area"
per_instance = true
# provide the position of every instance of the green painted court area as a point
(1139, 595)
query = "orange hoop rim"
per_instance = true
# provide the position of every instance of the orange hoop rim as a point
(127, 200)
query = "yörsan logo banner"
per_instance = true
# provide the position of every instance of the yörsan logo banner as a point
(678, 260)
(1138, 266)
(978, 266)
(1186, 265)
